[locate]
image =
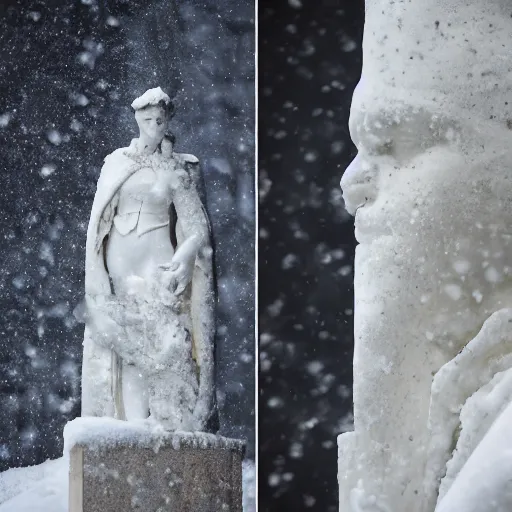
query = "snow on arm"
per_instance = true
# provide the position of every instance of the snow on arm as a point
(192, 218)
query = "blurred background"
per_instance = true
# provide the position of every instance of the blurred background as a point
(309, 63)
(69, 70)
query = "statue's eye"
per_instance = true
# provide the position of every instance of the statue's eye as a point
(158, 121)
(379, 147)
(386, 148)
(147, 119)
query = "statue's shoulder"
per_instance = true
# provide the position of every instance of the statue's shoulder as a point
(121, 156)
(116, 155)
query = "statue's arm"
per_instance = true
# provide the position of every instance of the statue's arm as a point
(196, 244)
(193, 223)
(106, 215)
(106, 220)
(202, 309)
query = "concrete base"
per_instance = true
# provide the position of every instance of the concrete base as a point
(119, 467)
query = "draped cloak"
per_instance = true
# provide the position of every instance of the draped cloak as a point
(102, 367)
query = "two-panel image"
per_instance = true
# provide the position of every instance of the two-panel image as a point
(256, 256)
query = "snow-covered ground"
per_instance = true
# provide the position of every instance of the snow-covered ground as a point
(44, 488)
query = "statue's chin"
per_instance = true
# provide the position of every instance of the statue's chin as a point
(370, 224)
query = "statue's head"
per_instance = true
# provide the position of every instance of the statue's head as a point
(432, 181)
(153, 111)
(431, 190)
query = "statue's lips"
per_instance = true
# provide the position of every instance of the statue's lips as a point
(360, 197)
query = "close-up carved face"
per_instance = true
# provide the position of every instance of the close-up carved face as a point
(152, 122)
(416, 188)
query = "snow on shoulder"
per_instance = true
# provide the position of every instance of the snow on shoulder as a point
(151, 97)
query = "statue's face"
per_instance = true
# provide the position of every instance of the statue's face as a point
(432, 179)
(431, 198)
(152, 122)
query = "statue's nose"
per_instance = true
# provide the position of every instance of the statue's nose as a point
(359, 184)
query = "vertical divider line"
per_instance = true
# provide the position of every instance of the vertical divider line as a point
(256, 270)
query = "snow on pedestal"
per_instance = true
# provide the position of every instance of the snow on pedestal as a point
(431, 191)
(117, 465)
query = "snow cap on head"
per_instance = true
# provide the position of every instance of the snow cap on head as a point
(151, 97)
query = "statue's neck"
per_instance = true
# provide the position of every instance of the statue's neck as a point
(147, 146)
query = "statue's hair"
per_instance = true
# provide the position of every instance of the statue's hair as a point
(169, 108)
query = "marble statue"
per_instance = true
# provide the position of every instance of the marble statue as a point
(431, 191)
(148, 345)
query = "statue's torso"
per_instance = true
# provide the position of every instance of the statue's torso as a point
(144, 201)
(140, 238)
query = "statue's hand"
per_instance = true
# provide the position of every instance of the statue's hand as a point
(179, 273)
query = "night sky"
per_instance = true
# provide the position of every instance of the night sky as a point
(309, 64)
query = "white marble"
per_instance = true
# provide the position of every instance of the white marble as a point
(148, 346)
(431, 191)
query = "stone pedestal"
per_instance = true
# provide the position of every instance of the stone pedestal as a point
(118, 466)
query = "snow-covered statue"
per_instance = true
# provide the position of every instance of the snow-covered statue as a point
(148, 347)
(431, 191)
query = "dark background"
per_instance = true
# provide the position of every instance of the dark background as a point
(69, 70)
(309, 63)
